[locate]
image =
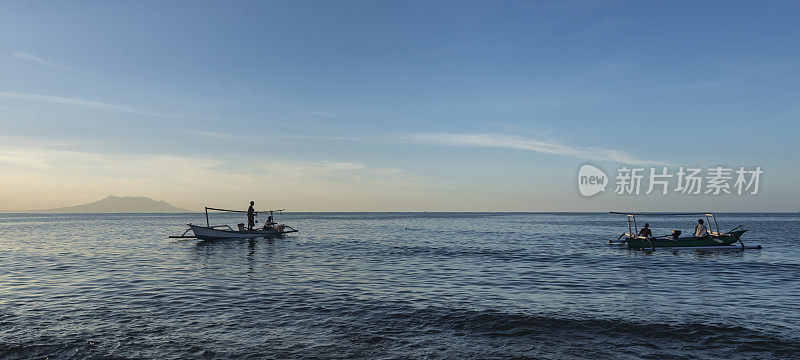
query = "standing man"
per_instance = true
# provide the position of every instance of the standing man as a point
(251, 216)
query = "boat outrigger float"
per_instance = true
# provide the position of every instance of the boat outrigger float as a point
(216, 232)
(713, 240)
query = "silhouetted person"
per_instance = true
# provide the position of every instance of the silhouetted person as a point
(251, 216)
(646, 231)
(700, 229)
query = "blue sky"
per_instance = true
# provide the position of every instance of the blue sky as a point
(393, 105)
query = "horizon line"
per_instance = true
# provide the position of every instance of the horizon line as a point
(35, 212)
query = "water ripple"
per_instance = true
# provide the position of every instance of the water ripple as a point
(391, 285)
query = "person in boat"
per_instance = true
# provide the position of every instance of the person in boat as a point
(251, 216)
(700, 229)
(646, 231)
(268, 225)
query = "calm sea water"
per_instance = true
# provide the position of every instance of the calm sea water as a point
(393, 285)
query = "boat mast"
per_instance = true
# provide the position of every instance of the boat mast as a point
(630, 232)
(716, 225)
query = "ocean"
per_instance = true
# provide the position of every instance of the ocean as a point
(394, 286)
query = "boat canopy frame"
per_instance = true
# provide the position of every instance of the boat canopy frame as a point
(633, 228)
(237, 211)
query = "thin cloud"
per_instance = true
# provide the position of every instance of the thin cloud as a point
(283, 136)
(33, 58)
(66, 101)
(539, 146)
(317, 113)
(91, 104)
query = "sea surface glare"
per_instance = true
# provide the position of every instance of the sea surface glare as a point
(394, 286)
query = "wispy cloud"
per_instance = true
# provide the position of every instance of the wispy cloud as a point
(539, 146)
(33, 58)
(272, 136)
(91, 104)
(350, 172)
(706, 85)
(66, 101)
(317, 113)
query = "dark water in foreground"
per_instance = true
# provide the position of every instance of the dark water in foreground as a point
(382, 285)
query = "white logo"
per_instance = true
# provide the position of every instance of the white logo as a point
(689, 181)
(591, 180)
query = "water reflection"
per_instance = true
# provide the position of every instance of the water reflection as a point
(694, 253)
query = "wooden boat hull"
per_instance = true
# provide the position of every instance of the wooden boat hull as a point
(211, 233)
(688, 242)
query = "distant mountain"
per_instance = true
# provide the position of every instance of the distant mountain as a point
(119, 204)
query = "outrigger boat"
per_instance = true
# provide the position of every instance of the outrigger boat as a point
(714, 240)
(216, 232)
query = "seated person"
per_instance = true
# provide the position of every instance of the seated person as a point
(269, 224)
(700, 229)
(646, 231)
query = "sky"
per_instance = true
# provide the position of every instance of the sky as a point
(394, 105)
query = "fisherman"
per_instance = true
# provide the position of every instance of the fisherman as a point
(251, 216)
(268, 224)
(646, 231)
(700, 229)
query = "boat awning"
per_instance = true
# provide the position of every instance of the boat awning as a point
(661, 214)
(243, 211)
(236, 211)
